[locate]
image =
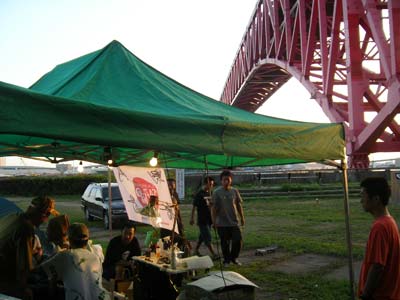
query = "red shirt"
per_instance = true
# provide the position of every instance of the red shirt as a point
(383, 247)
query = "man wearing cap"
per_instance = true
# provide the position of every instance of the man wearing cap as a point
(79, 269)
(17, 236)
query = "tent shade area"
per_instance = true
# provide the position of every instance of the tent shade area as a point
(110, 104)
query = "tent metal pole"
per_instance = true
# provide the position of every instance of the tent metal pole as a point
(109, 202)
(348, 231)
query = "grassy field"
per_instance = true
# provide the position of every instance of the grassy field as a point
(296, 226)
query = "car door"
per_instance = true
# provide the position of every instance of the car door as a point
(86, 197)
(98, 199)
(89, 200)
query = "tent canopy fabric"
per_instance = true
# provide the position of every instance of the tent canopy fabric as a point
(109, 103)
(7, 207)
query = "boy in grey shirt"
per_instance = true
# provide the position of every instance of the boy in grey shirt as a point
(227, 214)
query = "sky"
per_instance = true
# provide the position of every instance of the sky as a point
(191, 41)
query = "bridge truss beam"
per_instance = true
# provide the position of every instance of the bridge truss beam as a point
(346, 53)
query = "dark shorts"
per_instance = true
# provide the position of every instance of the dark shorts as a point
(205, 234)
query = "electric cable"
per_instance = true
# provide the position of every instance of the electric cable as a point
(215, 231)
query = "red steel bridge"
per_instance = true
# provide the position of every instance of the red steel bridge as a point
(346, 53)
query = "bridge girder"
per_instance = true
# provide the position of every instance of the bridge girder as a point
(345, 52)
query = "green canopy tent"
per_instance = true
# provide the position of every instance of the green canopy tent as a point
(109, 104)
(109, 101)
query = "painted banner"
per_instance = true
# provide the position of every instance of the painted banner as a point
(137, 185)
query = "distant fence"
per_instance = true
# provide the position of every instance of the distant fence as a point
(253, 184)
(323, 193)
(260, 180)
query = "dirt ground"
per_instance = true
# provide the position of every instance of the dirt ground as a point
(300, 264)
(278, 260)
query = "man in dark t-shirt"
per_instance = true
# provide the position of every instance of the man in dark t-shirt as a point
(120, 249)
(201, 202)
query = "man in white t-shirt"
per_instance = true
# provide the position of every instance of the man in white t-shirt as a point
(79, 269)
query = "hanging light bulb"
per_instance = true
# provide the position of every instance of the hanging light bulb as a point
(154, 160)
(107, 156)
(80, 167)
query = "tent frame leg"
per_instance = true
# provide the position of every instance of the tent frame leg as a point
(343, 167)
(348, 230)
(109, 202)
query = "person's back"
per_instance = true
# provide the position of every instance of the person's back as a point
(79, 269)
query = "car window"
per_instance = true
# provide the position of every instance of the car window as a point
(91, 192)
(98, 194)
(116, 194)
(86, 193)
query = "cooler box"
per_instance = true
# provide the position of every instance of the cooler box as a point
(213, 287)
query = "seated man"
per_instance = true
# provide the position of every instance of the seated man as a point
(79, 269)
(120, 249)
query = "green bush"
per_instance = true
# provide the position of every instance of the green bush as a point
(49, 185)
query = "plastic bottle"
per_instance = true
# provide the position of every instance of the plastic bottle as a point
(159, 248)
(173, 258)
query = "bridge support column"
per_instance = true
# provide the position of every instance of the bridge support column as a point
(359, 161)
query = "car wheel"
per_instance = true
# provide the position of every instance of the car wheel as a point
(88, 217)
(106, 220)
